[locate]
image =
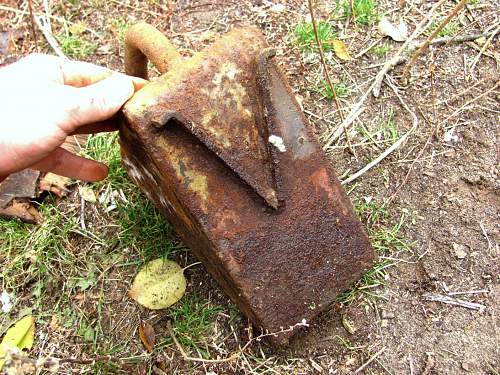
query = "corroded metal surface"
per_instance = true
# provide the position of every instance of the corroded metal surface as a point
(220, 145)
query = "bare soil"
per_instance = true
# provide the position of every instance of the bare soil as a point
(446, 187)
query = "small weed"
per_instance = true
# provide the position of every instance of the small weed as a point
(452, 28)
(364, 12)
(324, 89)
(384, 239)
(381, 50)
(305, 39)
(389, 129)
(119, 27)
(192, 321)
(75, 46)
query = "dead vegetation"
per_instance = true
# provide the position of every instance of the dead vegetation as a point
(411, 127)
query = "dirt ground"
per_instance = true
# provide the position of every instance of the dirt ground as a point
(443, 181)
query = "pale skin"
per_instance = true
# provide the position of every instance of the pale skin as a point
(45, 99)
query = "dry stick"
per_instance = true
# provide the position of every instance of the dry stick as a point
(424, 46)
(453, 301)
(42, 25)
(32, 19)
(232, 356)
(456, 112)
(486, 45)
(372, 358)
(393, 147)
(395, 60)
(325, 70)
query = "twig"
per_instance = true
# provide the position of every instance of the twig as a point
(232, 356)
(325, 70)
(32, 23)
(456, 112)
(43, 26)
(372, 358)
(190, 265)
(468, 292)
(375, 86)
(82, 214)
(49, 362)
(490, 245)
(393, 147)
(453, 301)
(486, 45)
(424, 46)
(461, 39)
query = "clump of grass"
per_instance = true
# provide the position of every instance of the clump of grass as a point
(385, 239)
(305, 39)
(364, 12)
(119, 27)
(192, 321)
(389, 129)
(452, 28)
(341, 90)
(76, 46)
(381, 50)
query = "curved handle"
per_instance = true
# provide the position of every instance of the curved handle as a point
(144, 42)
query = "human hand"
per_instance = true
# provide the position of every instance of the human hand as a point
(45, 99)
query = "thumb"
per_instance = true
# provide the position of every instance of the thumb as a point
(97, 102)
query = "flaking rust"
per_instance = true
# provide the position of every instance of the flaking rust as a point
(221, 147)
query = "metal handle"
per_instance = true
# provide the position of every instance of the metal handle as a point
(144, 42)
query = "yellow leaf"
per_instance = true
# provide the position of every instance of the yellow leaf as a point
(20, 335)
(77, 28)
(159, 284)
(341, 50)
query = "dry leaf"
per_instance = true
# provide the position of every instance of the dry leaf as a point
(87, 194)
(386, 28)
(159, 284)
(340, 50)
(147, 335)
(20, 335)
(77, 28)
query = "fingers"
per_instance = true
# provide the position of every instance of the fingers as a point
(64, 163)
(109, 125)
(64, 71)
(81, 74)
(96, 102)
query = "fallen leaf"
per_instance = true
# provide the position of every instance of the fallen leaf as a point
(147, 335)
(77, 28)
(341, 50)
(55, 184)
(20, 335)
(460, 250)
(277, 8)
(159, 284)
(386, 28)
(87, 194)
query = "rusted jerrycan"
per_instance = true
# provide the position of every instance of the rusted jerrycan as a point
(221, 147)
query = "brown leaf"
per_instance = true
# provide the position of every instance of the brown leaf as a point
(147, 335)
(340, 50)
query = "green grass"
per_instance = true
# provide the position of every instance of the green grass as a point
(119, 27)
(365, 11)
(389, 129)
(192, 321)
(76, 46)
(452, 28)
(380, 50)
(305, 39)
(385, 239)
(324, 89)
